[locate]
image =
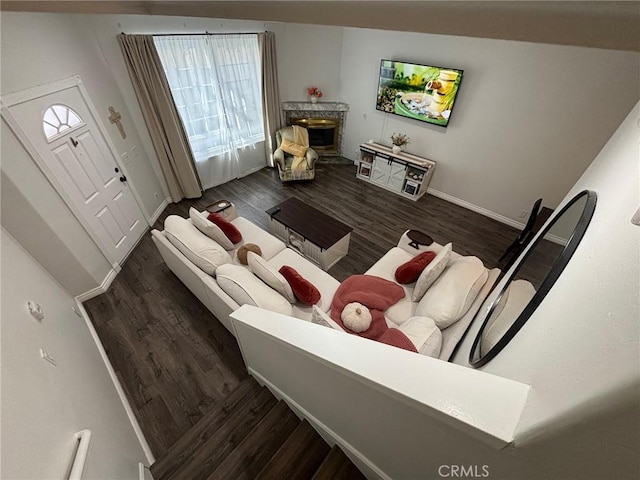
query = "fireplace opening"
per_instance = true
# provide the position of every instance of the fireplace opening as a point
(323, 133)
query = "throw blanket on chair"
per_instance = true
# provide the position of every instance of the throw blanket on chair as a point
(377, 294)
(300, 137)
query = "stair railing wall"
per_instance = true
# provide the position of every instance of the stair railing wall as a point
(396, 414)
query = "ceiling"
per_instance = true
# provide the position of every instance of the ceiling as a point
(603, 24)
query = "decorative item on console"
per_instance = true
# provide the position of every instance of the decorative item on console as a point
(399, 140)
(314, 94)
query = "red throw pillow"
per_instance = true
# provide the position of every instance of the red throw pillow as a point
(228, 228)
(303, 289)
(410, 271)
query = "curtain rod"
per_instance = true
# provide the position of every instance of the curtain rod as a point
(200, 33)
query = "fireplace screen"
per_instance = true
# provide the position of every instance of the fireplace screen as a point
(323, 132)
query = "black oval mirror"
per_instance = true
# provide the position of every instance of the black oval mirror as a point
(531, 278)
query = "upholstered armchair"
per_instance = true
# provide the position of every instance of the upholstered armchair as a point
(284, 160)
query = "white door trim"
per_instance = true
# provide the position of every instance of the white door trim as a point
(7, 101)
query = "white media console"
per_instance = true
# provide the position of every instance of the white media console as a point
(402, 173)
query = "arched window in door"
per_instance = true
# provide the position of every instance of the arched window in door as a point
(57, 119)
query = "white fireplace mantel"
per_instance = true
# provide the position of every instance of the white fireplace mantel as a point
(315, 107)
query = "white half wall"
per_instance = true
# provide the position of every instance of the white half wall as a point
(43, 405)
(528, 120)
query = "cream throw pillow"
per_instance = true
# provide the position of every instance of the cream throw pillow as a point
(293, 148)
(452, 294)
(209, 228)
(247, 289)
(424, 334)
(197, 247)
(270, 276)
(431, 273)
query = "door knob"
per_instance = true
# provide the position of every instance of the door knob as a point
(123, 178)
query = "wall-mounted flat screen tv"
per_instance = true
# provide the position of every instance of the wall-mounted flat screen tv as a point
(421, 92)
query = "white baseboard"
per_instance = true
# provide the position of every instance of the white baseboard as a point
(114, 378)
(369, 469)
(143, 472)
(159, 211)
(103, 287)
(475, 208)
(252, 170)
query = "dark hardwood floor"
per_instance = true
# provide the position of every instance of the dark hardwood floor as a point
(176, 362)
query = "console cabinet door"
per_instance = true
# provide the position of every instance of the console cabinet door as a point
(397, 173)
(381, 170)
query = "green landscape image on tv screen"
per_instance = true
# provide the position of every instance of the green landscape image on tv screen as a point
(420, 92)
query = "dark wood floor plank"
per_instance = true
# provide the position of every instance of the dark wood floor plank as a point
(253, 453)
(299, 457)
(223, 437)
(173, 358)
(337, 466)
(196, 436)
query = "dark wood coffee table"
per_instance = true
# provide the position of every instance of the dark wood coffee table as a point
(311, 232)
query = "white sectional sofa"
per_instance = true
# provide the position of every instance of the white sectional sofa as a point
(274, 251)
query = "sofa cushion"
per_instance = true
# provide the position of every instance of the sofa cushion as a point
(251, 233)
(410, 271)
(453, 292)
(209, 228)
(424, 334)
(228, 228)
(270, 276)
(193, 244)
(452, 335)
(385, 268)
(247, 289)
(325, 283)
(431, 272)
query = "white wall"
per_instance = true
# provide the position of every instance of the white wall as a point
(64, 45)
(308, 55)
(528, 120)
(37, 49)
(34, 213)
(579, 350)
(43, 406)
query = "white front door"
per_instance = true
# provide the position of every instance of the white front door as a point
(83, 169)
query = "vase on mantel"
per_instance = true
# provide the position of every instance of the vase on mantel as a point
(396, 149)
(314, 99)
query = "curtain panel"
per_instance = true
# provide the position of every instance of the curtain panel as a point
(215, 81)
(272, 113)
(161, 116)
